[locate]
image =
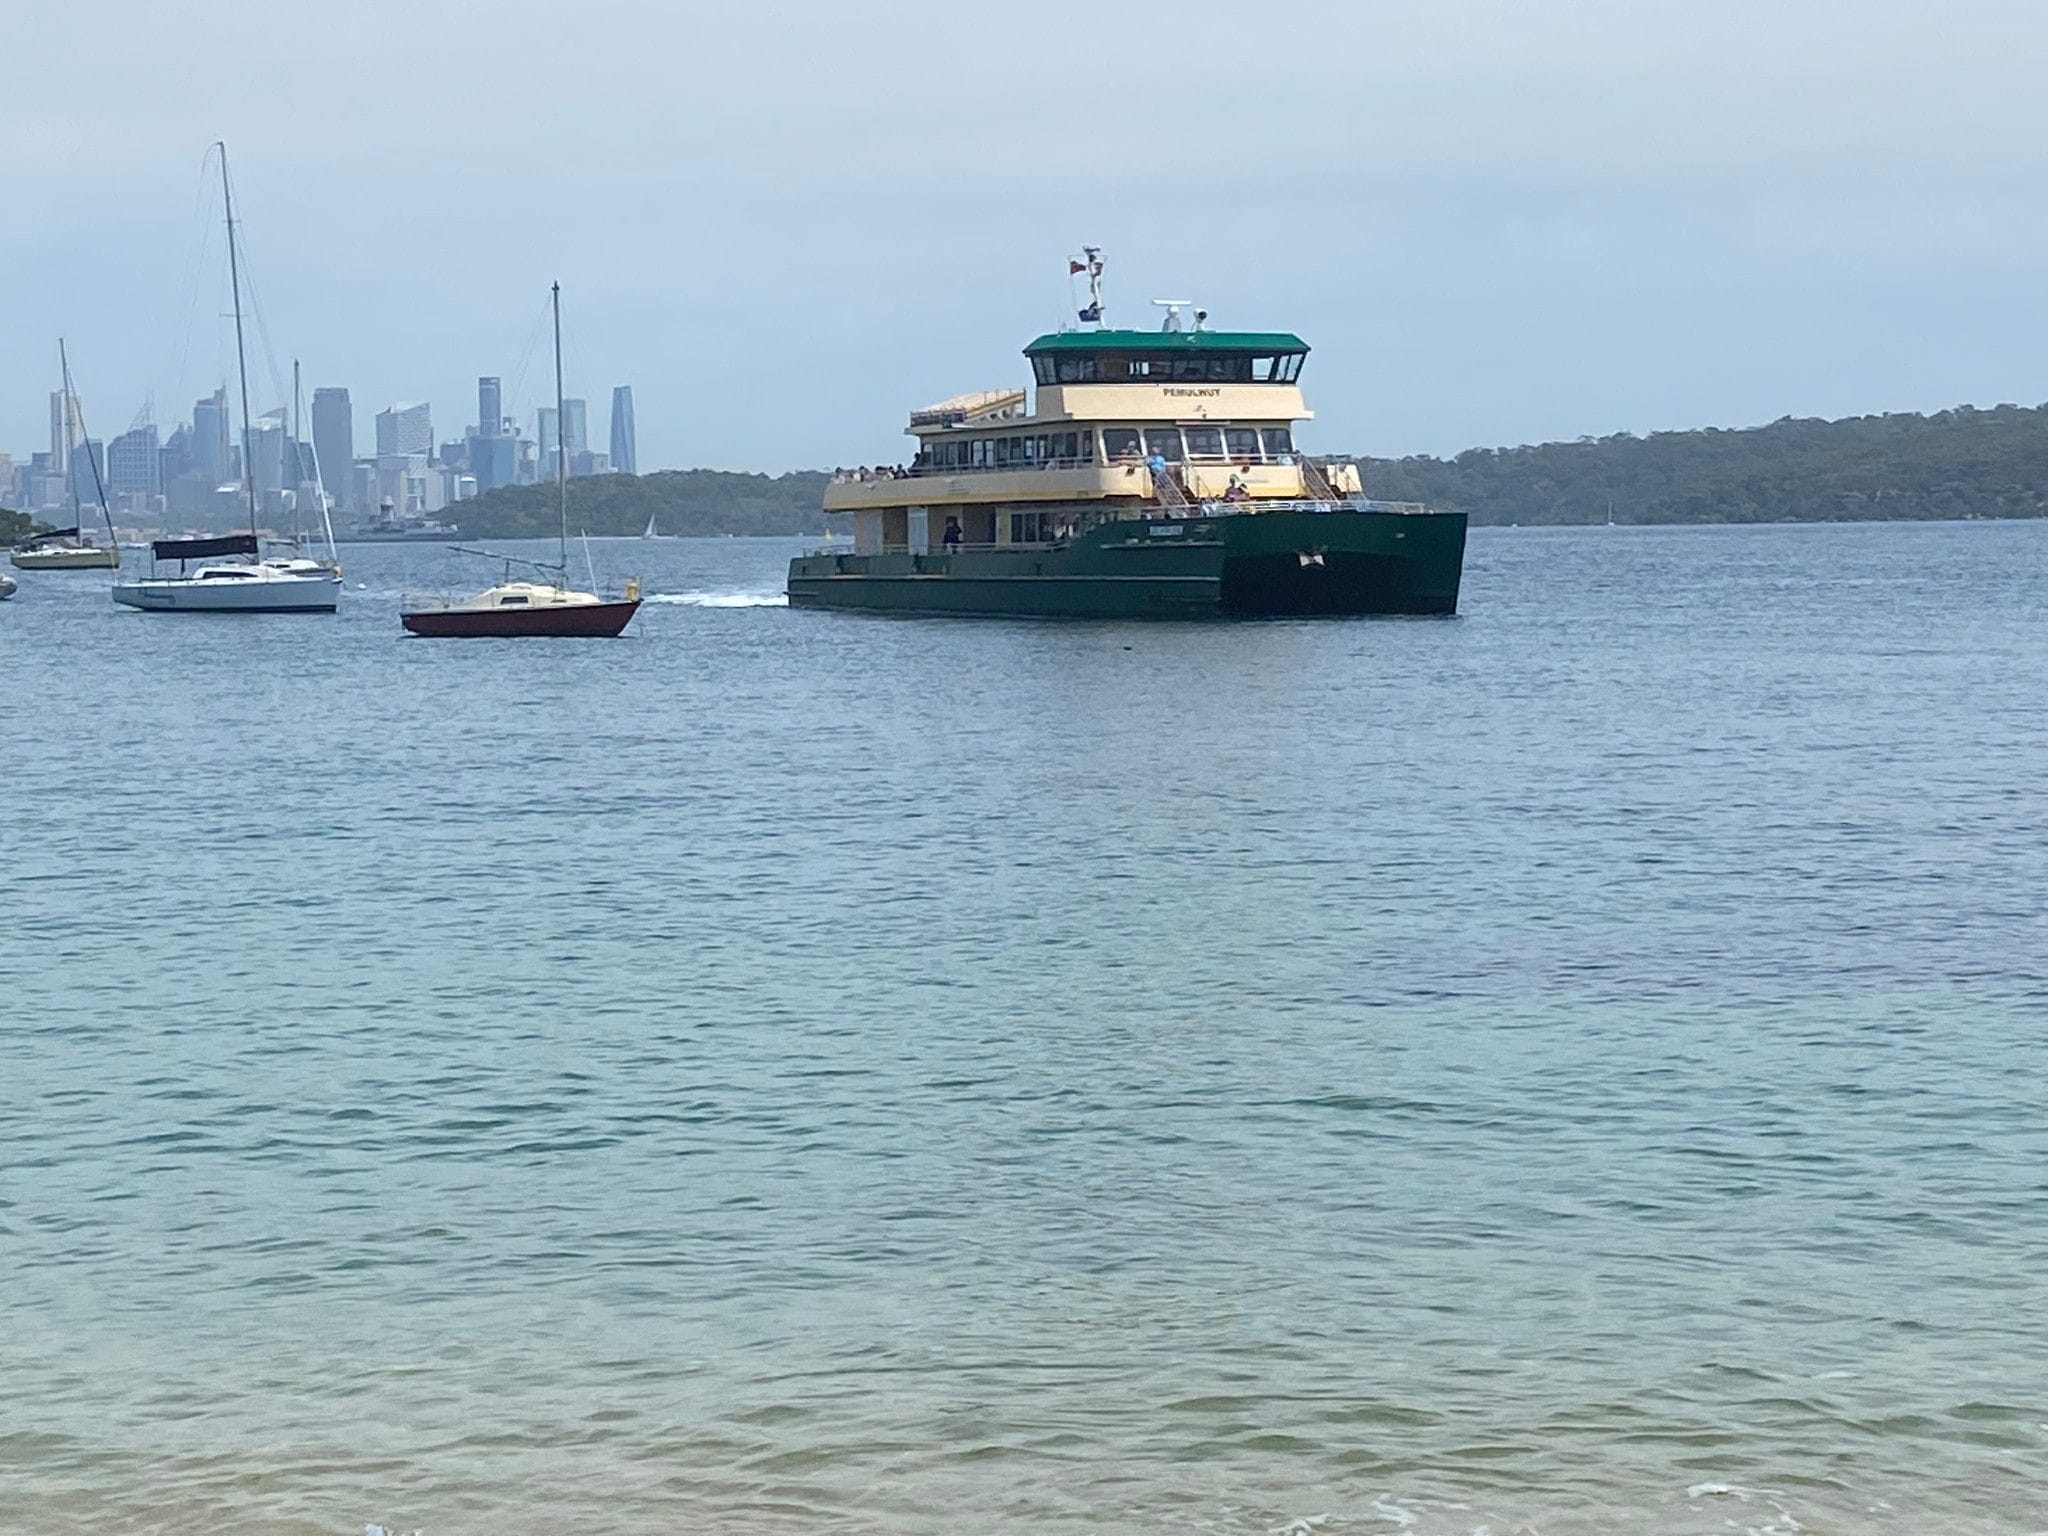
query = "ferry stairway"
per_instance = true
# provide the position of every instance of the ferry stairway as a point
(1316, 483)
(1167, 487)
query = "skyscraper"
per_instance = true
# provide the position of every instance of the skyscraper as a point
(490, 415)
(625, 456)
(134, 465)
(267, 453)
(67, 429)
(407, 427)
(544, 429)
(210, 437)
(334, 441)
(87, 454)
(575, 427)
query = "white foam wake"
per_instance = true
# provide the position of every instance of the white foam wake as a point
(722, 599)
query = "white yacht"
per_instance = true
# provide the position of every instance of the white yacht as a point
(229, 574)
(220, 584)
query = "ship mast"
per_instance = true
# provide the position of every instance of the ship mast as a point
(99, 486)
(241, 361)
(561, 440)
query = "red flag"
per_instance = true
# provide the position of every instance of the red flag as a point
(1074, 266)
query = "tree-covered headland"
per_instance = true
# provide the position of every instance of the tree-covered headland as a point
(1953, 464)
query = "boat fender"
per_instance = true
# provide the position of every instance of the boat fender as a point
(633, 590)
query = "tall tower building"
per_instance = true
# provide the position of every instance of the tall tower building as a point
(625, 455)
(406, 427)
(575, 427)
(210, 437)
(490, 413)
(267, 452)
(133, 463)
(334, 442)
(67, 429)
(544, 425)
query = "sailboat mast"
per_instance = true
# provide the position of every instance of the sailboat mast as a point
(561, 438)
(241, 361)
(98, 485)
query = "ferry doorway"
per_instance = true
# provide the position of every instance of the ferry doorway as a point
(920, 530)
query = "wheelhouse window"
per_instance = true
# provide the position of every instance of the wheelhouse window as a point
(1279, 442)
(1045, 370)
(1121, 443)
(1163, 443)
(1242, 442)
(1204, 442)
(512, 602)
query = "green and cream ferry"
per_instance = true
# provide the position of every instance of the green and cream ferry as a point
(1155, 475)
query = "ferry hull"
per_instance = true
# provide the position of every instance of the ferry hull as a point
(1250, 565)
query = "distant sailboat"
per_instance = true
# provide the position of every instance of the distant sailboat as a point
(521, 608)
(69, 549)
(649, 533)
(231, 575)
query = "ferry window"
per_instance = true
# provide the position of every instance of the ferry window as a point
(1002, 451)
(1278, 441)
(984, 454)
(1242, 441)
(1263, 371)
(1120, 443)
(1043, 368)
(1070, 446)
(1164, 443)
(1115, 369)
(1205, 442)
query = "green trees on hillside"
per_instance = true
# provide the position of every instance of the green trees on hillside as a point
(1958, 463)
(681, 501)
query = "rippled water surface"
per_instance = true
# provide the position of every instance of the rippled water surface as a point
(1576, 1068)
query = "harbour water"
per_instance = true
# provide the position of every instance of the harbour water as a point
(1571, 1069)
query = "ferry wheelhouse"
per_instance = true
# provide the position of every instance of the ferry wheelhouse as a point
(1155, 473)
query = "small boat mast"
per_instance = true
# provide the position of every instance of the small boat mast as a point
(227, 201)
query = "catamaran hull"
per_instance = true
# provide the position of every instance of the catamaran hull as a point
(66, 559)
(1249, 565)
(171, 595)
(586, 621)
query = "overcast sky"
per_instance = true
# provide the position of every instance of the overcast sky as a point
(787, 225)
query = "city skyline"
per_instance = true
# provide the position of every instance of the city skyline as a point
(196, 472)
(1493, 225)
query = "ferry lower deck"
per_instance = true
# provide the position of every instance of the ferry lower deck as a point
(1341, 561)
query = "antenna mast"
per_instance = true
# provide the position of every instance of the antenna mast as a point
(1093, 267)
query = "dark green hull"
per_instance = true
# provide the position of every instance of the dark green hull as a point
(1242, 565)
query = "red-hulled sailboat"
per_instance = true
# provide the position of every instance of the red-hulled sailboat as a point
(517, 608)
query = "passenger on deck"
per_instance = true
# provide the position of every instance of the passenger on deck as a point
(951, 538)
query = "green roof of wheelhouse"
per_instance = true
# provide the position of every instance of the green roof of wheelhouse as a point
(1156, 342)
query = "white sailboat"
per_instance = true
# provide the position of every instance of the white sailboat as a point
(229, 574)
(68, 549)
(649, 532)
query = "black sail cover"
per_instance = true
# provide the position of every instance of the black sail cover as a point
(204, 549)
